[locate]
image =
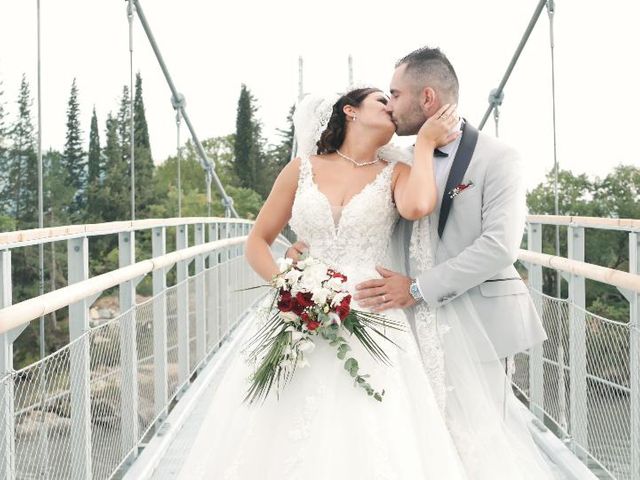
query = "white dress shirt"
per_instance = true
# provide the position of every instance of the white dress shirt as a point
(442, 166)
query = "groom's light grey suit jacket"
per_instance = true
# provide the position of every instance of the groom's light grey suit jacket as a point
(479, 244)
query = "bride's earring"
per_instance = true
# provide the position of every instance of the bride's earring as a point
(353, 118)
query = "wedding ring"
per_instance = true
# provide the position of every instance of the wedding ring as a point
(384, 299)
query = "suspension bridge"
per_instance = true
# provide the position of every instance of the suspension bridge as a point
(123, 397)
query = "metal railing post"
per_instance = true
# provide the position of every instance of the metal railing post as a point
(160, 375)
(7, 411)
(80, 365)
(213, 317)
(182, 292)
(536, 369)
(201, 334)
(223, 283)
(634, 352)
(128, 346)
(577, 348)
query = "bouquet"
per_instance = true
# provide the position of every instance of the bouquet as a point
(311, 303)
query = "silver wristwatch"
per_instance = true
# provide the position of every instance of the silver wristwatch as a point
(414, 291)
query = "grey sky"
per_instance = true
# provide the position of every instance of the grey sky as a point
(212, 47)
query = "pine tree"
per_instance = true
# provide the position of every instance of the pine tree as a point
(22, 176)
(75, 161)
(5, 221)
(248, 142)
(21, 191)
(142, 151)
(114, 196)
(124, 140)
(279, 154)
(95, 171)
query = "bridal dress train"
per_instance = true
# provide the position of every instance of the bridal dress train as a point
(322, 427)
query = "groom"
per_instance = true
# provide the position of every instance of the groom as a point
(478, 223)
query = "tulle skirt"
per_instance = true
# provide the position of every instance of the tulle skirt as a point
(323, 427)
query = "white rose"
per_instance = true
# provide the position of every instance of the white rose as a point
(335, 284)
(292, 276)
(338, 298)
(284, 263)
(320, 295)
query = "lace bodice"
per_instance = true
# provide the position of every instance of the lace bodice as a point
(360, 235)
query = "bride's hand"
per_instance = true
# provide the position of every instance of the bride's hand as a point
(437, 129)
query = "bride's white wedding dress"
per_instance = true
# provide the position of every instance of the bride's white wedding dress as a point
(323, 427)
(442, 416)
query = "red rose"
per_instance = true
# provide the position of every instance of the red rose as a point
(305, 317)
(304, 299)
(346, 301)
(312, 325)
(297, 307)
(340, 276)
(285, 303)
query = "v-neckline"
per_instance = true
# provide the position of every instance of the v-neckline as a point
(336, 226)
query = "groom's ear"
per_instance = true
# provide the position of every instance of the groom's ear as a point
(428, 100)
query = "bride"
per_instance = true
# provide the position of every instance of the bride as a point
(343, 196)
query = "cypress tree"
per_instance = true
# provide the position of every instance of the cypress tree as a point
(75, 161)
(142, 150)
(248, 142)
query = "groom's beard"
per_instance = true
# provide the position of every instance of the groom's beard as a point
(411, 125)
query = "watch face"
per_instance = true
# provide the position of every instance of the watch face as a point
(415, 293)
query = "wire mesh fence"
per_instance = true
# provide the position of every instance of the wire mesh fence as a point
(73, 403)
(607, 449)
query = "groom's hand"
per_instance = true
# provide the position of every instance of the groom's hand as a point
(391, 291)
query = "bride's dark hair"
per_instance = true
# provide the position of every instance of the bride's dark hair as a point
(333, 136)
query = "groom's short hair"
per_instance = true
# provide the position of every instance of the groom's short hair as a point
(430, 65)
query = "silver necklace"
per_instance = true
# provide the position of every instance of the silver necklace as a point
(356, 163)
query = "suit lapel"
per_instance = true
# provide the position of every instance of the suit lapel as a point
(456, 174)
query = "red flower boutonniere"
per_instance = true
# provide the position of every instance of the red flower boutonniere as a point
(459, 189)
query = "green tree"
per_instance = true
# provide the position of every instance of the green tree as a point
(95, 171)
(193, 181)
(249, 144)
(279, 155)
(614, 196)
(124, 141)
(75, 161)
(6, 222)
(21, 185)
(143, 161)
(114, 194)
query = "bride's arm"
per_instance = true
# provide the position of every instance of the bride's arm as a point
(414, 190)
(273, 216)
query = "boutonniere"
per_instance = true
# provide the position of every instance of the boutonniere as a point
(459, 189)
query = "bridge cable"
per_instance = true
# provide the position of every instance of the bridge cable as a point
(514, 59)
(130, 10)
(43, 439)
(178, 159)
(178, 99)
